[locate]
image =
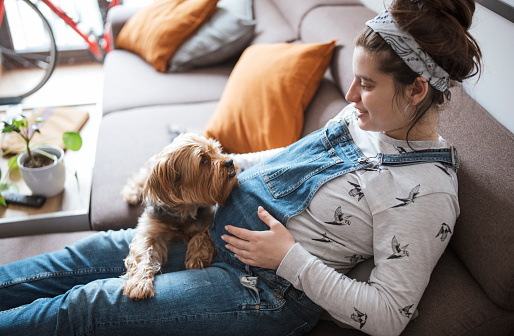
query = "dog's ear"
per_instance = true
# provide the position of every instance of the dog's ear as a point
(162, 183)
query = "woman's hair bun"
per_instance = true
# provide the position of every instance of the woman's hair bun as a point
(441, 28)
(462, 10)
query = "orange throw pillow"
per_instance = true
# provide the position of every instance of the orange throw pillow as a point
(266, 95)
(156, 32)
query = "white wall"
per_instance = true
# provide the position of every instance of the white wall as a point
(495, 88)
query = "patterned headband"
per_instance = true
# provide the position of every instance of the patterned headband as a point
(411, 52)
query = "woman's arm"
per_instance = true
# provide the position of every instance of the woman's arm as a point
(407, 245)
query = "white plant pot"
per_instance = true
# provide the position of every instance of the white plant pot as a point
(45, 181)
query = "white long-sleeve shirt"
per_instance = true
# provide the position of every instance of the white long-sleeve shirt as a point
(403, 216)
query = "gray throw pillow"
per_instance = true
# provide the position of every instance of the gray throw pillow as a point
(226, 34)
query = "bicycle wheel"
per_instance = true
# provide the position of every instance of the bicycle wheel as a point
(28, 53)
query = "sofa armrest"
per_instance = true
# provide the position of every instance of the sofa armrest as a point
(118, 16)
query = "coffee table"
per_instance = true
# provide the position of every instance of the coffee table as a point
(68, 211)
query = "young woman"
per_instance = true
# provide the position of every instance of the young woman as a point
(376, 181)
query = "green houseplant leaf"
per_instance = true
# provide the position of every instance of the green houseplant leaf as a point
(72, 140)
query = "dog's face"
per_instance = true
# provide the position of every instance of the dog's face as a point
(191, 170)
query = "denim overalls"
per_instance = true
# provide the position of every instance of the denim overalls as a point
(285, 184)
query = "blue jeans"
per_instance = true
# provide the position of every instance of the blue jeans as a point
(77, 291)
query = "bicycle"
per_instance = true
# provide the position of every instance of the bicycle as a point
(28, 51)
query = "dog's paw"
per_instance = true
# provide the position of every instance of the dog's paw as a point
(198, 261)
(138, 289)
(200, 250)
(131, 194)
(196, 264)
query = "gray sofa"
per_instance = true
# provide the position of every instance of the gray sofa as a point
(471, 290)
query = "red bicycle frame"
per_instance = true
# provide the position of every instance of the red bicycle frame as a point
(94, 46)
(2, 12)
(107, 38)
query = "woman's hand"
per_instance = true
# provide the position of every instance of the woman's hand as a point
(260, 248)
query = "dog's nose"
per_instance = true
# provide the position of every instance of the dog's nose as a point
(229, 163)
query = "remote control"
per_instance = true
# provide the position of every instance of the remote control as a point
(28, 200)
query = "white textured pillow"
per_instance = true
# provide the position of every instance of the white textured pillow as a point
(226, 34)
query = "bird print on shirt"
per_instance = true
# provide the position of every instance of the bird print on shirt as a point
(400, 149)
(359, 317)
(410, 199)
(340, 218)
(356, 191)
(405, 311)
(398, 252)
(326, 239)
(443, 232)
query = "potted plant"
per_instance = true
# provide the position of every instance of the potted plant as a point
(41, 166)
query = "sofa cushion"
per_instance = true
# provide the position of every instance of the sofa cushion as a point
(472, 313)
(127, 139)
(453, 292)
(266, 95)
(158, 30)
(142, 86)
(294, 11)
(271, 26)
(226, 34)
(484, 233)
(326, 104)
(117, 16)
(324, 23)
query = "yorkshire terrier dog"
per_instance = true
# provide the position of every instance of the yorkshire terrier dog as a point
(179, 187)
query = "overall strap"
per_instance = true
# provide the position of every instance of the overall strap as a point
(446, 156)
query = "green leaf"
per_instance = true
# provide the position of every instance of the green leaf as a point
(9, 128)
(13, 162)
(2, 201)
(72, 140)
(21, 123)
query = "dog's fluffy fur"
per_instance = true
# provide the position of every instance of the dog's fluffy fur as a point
(180, 187)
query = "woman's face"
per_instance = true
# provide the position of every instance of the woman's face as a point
(373, 95)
